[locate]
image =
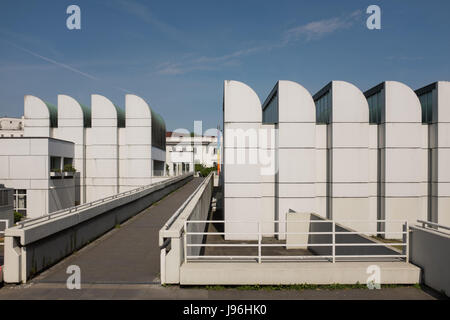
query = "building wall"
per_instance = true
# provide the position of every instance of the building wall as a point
(136, 145)
(71, 128)
(182, 148)
(348, 134)
(102, 154)
(321, 170)
(37, 117)
(179, 153)
(11, 127)
(348, 168)
(242, 177)
(25, 164)
(441, 177)
(374, 183)
(113, 151)
(295, 150)
(268, 138)
(403, 158)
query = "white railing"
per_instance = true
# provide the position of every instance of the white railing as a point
(333, 244)
(2, 232)
(434, 225)
(66, 211)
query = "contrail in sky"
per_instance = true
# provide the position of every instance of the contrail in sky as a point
(62, 65)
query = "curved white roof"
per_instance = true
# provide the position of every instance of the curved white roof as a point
(295, 103)
(241, 103)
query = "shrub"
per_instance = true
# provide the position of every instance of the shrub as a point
(17, 216)
(204, 171)
(69, 168)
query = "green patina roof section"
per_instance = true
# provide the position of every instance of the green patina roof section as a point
(158, 131)
(53, 112)
(158, 120)
(87, 118)
(120, 117)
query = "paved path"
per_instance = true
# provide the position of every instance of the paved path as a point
(43, 291)
(126, 255)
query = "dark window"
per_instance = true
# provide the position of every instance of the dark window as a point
(270, 112)
(376, 103)
(426, 102)
(323, 108)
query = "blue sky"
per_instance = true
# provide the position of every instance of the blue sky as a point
(176, 54)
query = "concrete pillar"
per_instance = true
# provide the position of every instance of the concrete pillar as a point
(402, 158)
(73, 118)
(136, 149)
(295, 151)
(102, 154)
(242, 176)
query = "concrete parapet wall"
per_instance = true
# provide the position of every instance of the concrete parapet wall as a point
(196, 208)
(276, 273)
(429, 250)
(32, 248)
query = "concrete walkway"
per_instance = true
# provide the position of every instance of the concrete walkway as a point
(58, 291)
(126, 255)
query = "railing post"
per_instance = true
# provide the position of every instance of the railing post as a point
(259, 241)
(163, 265)
(333, 236)
(185, 242)
(406, 229)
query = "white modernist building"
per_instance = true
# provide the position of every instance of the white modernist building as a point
(113, 150)
(33, 167)
(184, 151)
(11, 127)
(343, 154)
(435, 102)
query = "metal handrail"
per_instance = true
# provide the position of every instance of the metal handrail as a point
(74, 209)
(333, 244)
(434, 224)
(284, 221)
(6, 227)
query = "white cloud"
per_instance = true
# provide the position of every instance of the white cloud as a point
(320, 28)
(310, 31)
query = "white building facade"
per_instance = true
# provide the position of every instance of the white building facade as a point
(11, 127)
(34, 168)
(184, 151)
(113, 150)
(343, 154)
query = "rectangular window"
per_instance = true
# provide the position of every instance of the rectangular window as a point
(426, 102)
(20, 201)
(68, 161)
(55, 164)
(375, 102)
(270, 112)
(323, 109)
